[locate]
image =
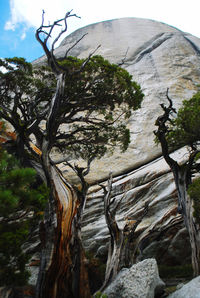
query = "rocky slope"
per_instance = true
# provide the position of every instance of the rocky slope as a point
(161, 233)
(159, 57)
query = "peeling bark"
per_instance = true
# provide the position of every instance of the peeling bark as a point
(62, 271)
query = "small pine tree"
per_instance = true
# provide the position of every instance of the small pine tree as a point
(20, 204)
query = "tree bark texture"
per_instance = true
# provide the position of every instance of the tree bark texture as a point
(62, 271)
(186, 209)
(122, 245)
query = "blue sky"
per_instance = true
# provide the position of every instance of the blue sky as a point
(11, 43)
(20, 18)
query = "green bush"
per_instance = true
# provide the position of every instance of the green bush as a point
(20, 205)
(100, 295)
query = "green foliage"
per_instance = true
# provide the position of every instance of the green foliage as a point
(100, 295)
(29, 87)
(107, 95)
(194, 192)
(94, 107)
(20, 205)
(111, 85)
(12, 258)
(185, 129)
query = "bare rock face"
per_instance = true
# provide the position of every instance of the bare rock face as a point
(161, 233)
(159, 57)
(189, 290)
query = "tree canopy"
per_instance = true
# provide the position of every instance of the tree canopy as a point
(79, 108)
(93, 108)
(185, 128)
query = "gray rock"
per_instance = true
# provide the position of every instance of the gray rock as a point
(140, 281)
(159, 57)
(189, 290)
(160, 234)
(179, 286)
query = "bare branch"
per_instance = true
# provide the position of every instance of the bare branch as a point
(131, 229)
(87, 60)
(87, 170)
(109, 214)
(162, 130)
(123, 60)
(68, 50)
(18, 215)
(50, 53)
(67, 163)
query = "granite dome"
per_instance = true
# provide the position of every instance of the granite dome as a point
(159, 57)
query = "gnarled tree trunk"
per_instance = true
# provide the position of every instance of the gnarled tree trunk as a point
(185, 207)
(182, 177)
(62, 270)
(122, 245)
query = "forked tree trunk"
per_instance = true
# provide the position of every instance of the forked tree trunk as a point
(62, 270)
(122, 244)
(121, 252)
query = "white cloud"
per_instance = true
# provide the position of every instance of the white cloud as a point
(18, 14)
(9, 26)
(28, 13)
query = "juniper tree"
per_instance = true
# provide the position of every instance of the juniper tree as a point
(78, 108)
(173, 133)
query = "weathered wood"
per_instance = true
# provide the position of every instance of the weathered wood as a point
(182, 177)
(187, 210)
(122, 244)
(62, 270)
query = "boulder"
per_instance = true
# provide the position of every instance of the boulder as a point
(141, 280)
(189, 290)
